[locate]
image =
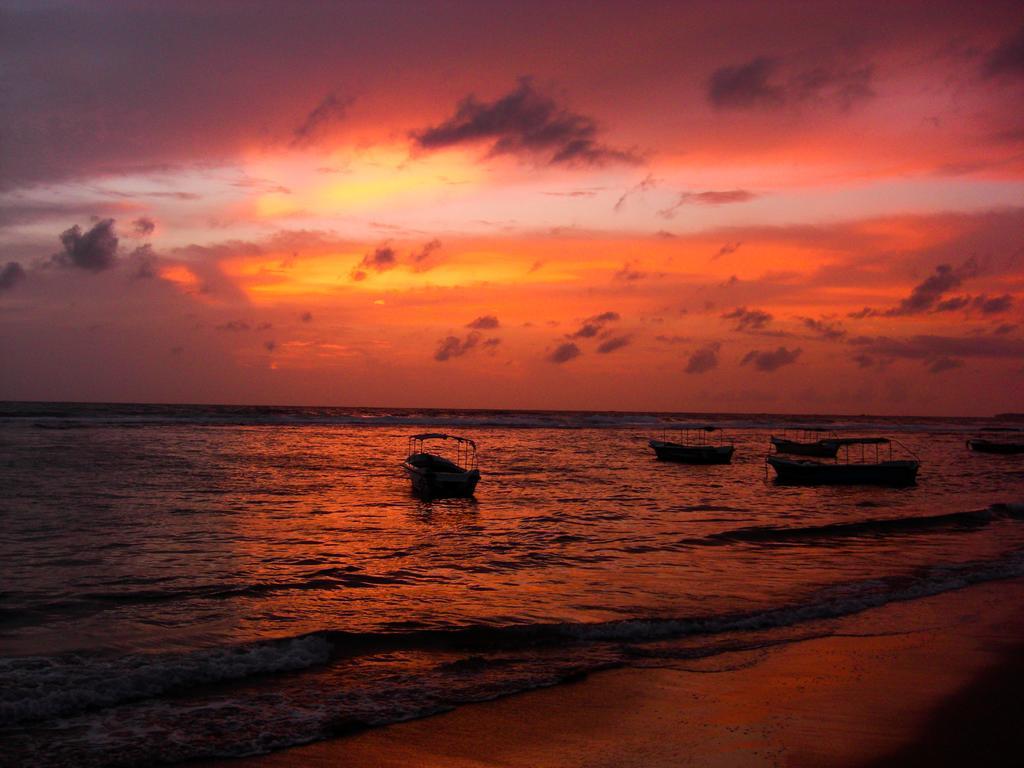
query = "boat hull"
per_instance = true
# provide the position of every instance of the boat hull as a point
(692, 454)
(427, 483)
(826, 449)
(985, 446)
(806, 472)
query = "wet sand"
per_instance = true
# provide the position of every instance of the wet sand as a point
(936, 681)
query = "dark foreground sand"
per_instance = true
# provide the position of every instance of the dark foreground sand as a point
(938, 681)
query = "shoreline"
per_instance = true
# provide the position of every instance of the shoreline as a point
(926, 682)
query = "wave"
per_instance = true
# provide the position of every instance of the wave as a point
(35, 688)
(877, 526)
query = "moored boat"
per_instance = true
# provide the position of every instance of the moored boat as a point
(435, 476)
(980, 445)
(696, 447)
(873, 470)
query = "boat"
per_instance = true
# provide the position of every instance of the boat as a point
(807, 442)
(980, 445)
(433, 475)
(862, 470)
(696, 446)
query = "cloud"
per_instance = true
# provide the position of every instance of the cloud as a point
(143, 262)
(11, 275)
(704, 359)
(746, 85)
(927, 295)
(453, 346)
(828, 331)
(993, 306)
(484, 322)
(748, 319)
(143, 226)
(564, 353)
(709, 197)
(422, 260)
(629, 274)
(648, 182)
(612, 344)
(771, 361)
(524, 122)
(330, 110)
(95, 251)
(234, 326)
(944, 364)
(1007, 58)
(593, 325)
(726, 250)
(761, 84)
(382, 259)
(929, 347)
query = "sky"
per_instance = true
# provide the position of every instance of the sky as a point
(811, 207)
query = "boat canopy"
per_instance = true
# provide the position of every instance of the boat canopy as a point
(442, 436)
(859, 440)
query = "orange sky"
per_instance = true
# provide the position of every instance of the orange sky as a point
(817, 209)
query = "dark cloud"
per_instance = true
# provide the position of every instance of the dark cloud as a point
(761, 83)
(143, 226)
(142, 262)
(423, 259)
(994, 305)
(704, 359)
(629, 274)
(1007, 58)
(382, 259)
(95, 250)
(930, 348)
(11, 275)
(748, 319)
(330, 110)
(944, 364)
(864, 361)
(524, 122)
(453, 346)
(709, 197)
(769, 361)
(564, 353)
(234, 326)
(593, 325)
(1004, 328)
(828, 331)
(484, 322)
(612, 344)
(927, 295)
(726, 250)
(746, 85)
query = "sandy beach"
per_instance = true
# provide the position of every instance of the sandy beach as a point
(930, 682)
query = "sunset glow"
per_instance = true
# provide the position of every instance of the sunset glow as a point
(598, 208)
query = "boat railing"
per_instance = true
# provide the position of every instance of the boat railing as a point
(696, 435)
(846, 443)
(807, 434)
(465, 449)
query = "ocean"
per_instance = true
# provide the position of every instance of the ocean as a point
(181, 582)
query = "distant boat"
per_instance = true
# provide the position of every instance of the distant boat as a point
(807, 442)
(868, 470)
(695, 448)
(433, 475)
(988, 446)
